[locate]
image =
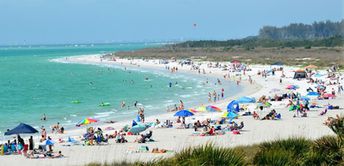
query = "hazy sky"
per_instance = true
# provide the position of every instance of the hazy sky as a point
(90, 21)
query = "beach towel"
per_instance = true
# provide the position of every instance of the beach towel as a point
(236, 132)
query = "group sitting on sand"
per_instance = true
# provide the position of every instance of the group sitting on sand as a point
(18, 147)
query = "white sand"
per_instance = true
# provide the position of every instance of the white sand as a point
(255, 131)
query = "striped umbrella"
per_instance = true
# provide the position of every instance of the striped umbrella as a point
(87, 121)
(201, 109)
(193, 110)
(212, 108)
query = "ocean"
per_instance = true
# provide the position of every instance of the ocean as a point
(32, 85)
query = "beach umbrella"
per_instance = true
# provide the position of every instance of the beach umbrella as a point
(230, 115)
(48, 142)
(311, 67)
(212, 108)
(266, 104)
(87, 121)
(183, 113)
(22, 128)
(138, 128)
(246, 99)
(305, 98)
(201, 109)
(233, 106)
(235, 62)
(312, 94)
(192, 110)
(293, 87)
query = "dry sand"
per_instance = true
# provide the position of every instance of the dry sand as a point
(255, 131)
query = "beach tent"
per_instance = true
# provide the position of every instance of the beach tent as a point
(300, 74)
(233, 106)
(183, 113)
(246, 99)
(22, 129)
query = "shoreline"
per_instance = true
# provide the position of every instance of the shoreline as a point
(255, 131)
(247, 89)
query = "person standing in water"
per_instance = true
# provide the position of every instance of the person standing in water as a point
(222, 93)
(122, 104)
(44, 117)
(181, 106)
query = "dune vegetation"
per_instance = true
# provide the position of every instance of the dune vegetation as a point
(327, 150)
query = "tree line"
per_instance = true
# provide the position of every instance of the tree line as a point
(318, 34)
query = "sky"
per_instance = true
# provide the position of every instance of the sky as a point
(103, 21)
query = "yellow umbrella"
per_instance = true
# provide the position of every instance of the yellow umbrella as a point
(201, 109)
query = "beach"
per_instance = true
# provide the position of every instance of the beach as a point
(255, 131)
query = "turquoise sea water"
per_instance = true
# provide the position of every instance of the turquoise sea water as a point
(31, 85)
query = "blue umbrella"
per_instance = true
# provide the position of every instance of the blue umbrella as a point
(312, 94)
(48, 142)
(233, 106)
(138, 128)
(246, 99)
(22, 129)
(183, 113)
(305, 98)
